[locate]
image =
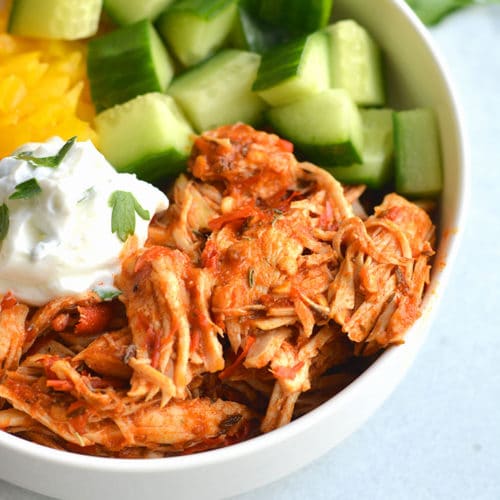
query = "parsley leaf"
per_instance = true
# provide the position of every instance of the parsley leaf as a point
(4, 221)
(107, 292)
(125, 206)
(26, 189)
(47, 161)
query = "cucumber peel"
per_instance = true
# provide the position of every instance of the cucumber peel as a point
(248, 34)
(147, 136)
(295, 17)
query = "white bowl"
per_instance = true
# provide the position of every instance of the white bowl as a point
(417, 78)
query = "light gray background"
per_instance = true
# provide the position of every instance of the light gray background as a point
(438, 436)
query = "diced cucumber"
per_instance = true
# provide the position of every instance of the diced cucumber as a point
(355, 63)
(418, 153)
(325, 127)
(378, 150)
(295, 16)
(218, 92)
(147, 136)
(61, 19)
(294, 71)
(127, 62)
(246, 34)
(194, 29)
(131, 11)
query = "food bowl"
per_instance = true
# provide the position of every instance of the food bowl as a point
(416, 78)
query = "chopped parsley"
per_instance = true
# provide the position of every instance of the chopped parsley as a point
(25, 190)
(47, 161)
(107, 292)
(4, 221)
(125, 206)
(87, 194)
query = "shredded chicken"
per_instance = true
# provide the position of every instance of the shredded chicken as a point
(264, 289)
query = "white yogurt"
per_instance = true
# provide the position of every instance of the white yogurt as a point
(59, 241)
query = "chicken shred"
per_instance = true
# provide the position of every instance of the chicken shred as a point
(264, 289)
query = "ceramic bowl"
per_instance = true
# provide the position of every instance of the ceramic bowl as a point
(416, 78)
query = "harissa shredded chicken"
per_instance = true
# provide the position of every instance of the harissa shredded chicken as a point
(262, 291)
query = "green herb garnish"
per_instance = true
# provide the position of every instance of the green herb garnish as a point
(87, 194)
(107, 293)
(26, 189)
(47, 161)
(4, 221)
(125, 206)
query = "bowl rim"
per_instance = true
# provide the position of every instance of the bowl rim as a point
(261, 442)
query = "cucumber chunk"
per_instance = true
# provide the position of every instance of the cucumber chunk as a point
(147, 136)
(194, 29)
(59, 19)
(246, 34)
(127, 62)
(418, 153)
(378, 150)
(355, 63)
(294, 71)
(295, 16)
(131, 11)
(325, 127)
(218, 92)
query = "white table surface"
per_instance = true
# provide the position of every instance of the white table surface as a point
(438, 436)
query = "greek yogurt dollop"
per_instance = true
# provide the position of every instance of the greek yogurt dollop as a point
(59, 241)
